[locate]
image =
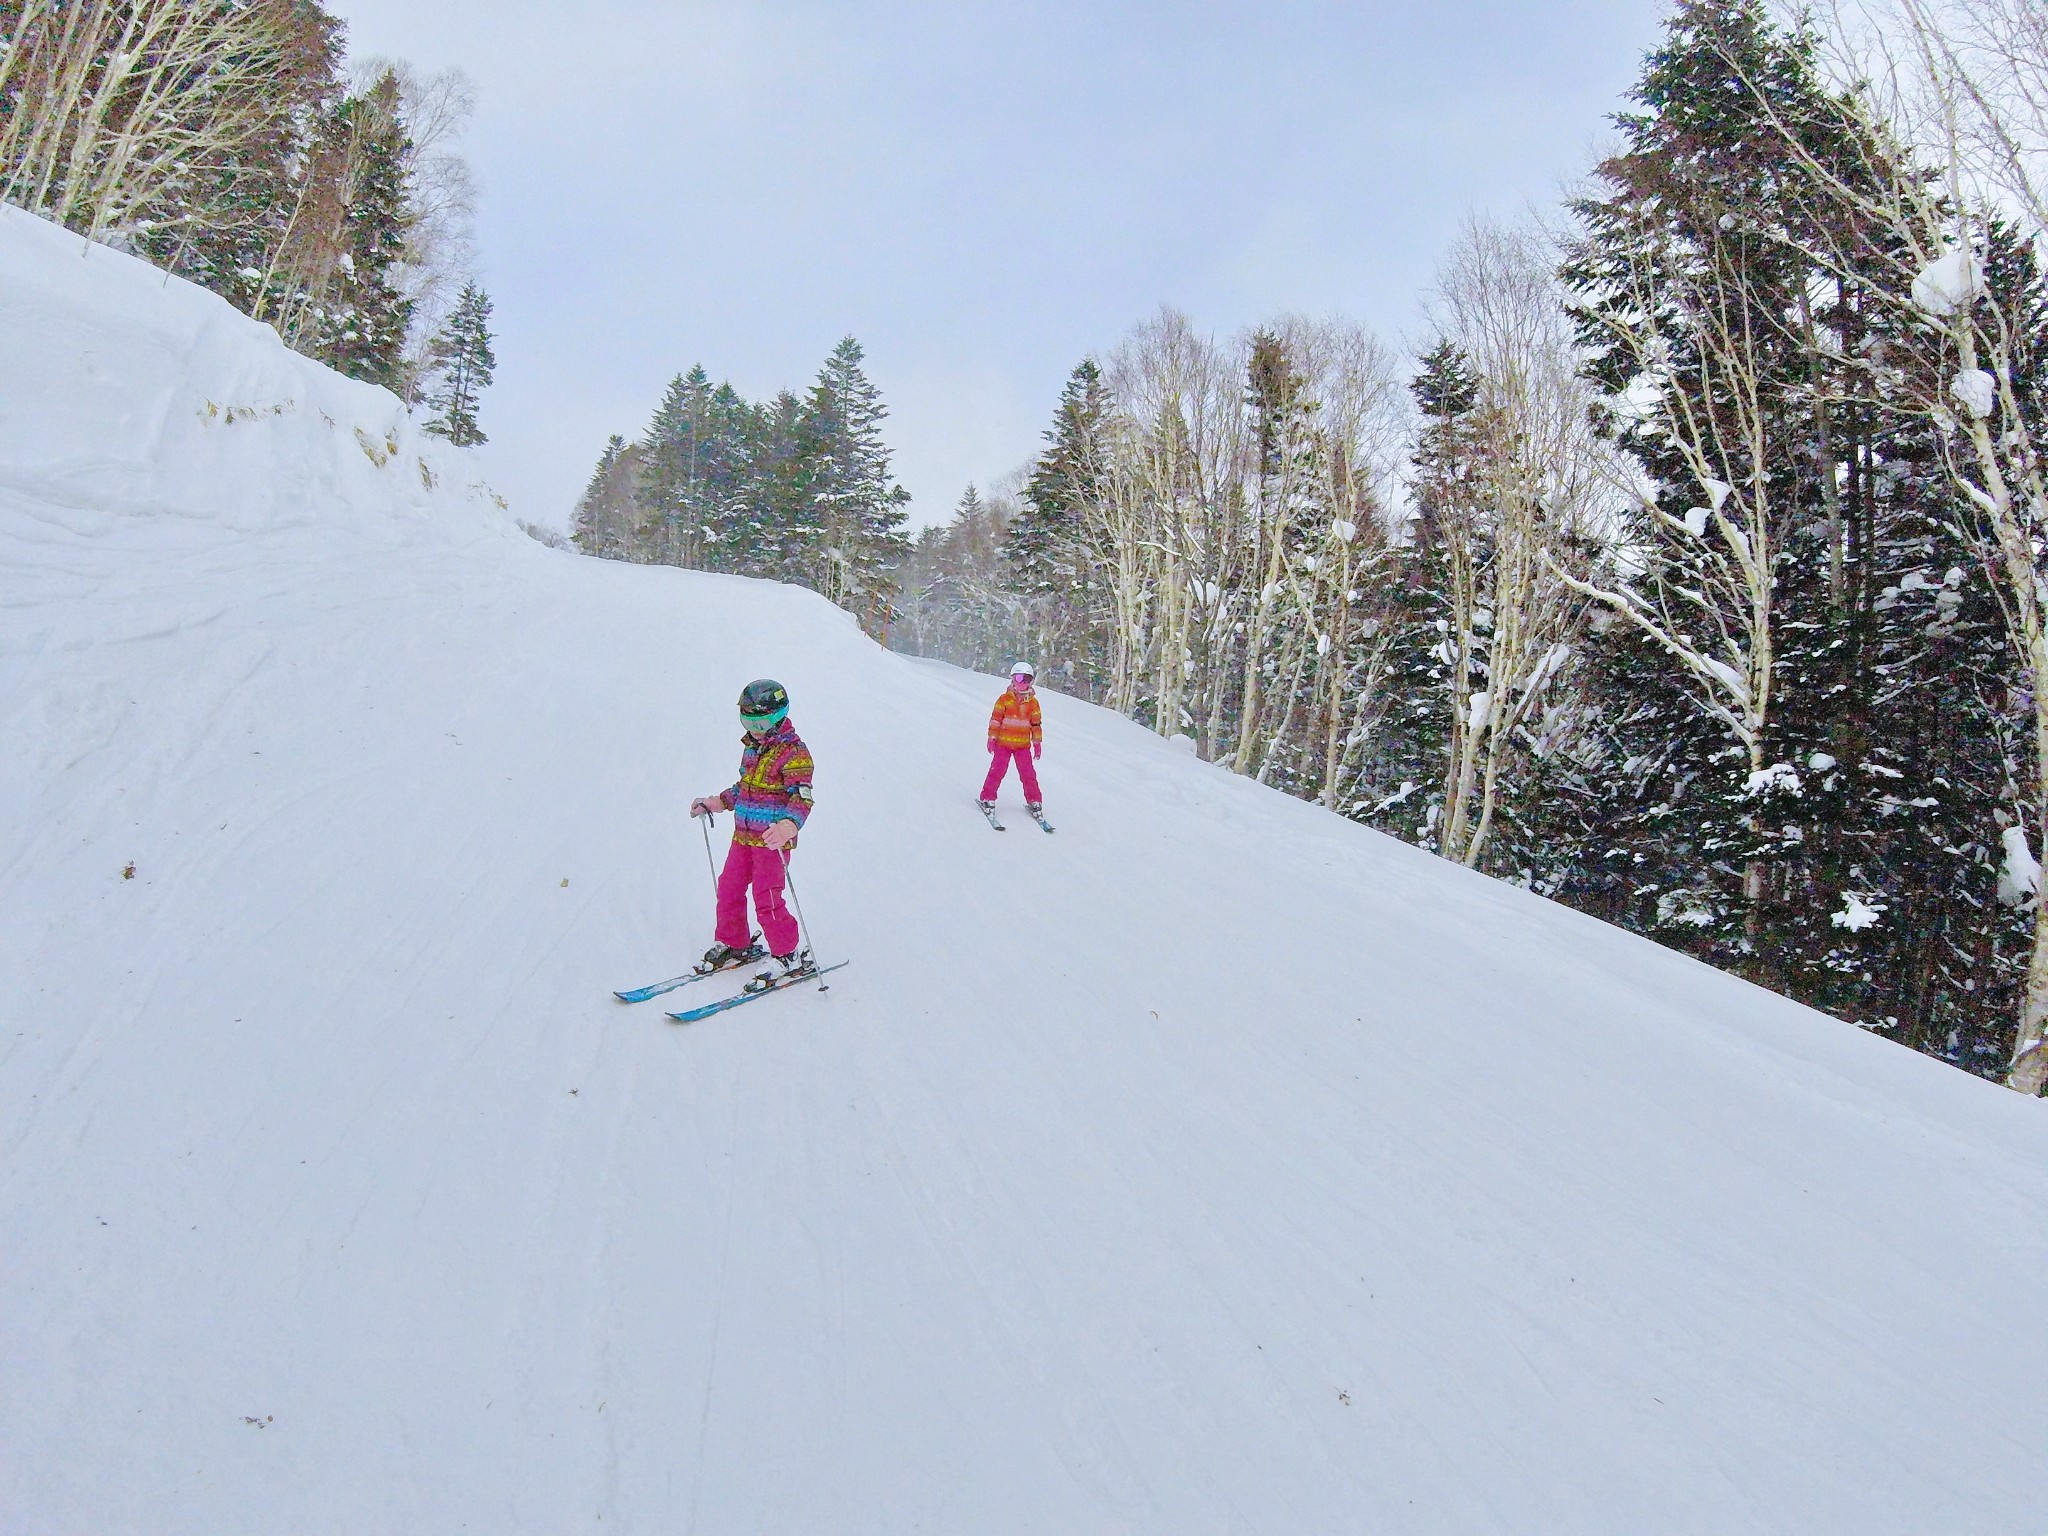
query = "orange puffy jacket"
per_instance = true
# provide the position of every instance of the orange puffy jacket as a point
(1016, 722)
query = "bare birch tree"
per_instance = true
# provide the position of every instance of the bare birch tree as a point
(1535, 491)
(1166, 521)
(1700, 585)
(1955, 99)
(115, 110)
(1281, 486)
(1365, 424)
(1326, 434)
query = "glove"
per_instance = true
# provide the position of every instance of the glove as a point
(710, 805)
(780, 835)
(1038, 749)
(991, 744)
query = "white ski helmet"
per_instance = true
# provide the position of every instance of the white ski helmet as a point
(1023, 669)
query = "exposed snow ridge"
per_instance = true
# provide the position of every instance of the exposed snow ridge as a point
(132, 393)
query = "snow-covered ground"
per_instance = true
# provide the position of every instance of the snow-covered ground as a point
(1213, 1165)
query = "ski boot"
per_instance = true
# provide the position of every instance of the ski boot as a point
(781, 968)
(723, 957)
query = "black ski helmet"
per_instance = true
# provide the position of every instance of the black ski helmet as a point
(764, 697)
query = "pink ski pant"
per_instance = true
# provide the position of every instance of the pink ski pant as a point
(761, 870)
(999, 764)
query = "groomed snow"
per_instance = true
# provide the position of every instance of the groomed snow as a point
(1213, 1165)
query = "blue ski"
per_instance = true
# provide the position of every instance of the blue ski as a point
(642, 994)
(762, 989)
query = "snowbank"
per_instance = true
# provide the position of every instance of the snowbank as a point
(1212, 1165)
(130, 393)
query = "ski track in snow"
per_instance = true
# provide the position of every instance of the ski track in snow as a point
(1216, 1165)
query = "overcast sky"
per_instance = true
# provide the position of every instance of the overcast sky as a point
(982, 194)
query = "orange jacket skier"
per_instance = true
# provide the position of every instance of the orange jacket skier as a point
(1016, 733)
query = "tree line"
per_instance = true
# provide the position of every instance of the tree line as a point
(227, 141)
(797, 488)
(1689, 571)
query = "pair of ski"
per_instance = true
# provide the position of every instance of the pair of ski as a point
(757, 987)
(988, 814)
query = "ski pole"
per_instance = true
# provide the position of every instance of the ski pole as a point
(708, 818)
(803, 927)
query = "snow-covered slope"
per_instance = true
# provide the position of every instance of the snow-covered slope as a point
(1214, 1165)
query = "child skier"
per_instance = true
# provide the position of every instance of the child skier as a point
(1016, 730)
(769, 804)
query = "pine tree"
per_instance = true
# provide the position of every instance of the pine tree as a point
(953, 599)
(781, 531)
(672, 473)
(1830, 851)
(1683, 266)
(362, 316)
(731, 447)
(859, 508)
(463, 363)
(1045, 556)
(1044, 544)
(1402, 789)
(598, 525)
(795, 490)
(1919, 762)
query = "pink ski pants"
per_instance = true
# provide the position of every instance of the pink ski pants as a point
(761, 870)
(999, 765)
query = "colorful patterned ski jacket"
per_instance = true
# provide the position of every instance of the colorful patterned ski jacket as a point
(774, 784)
(1016, 722)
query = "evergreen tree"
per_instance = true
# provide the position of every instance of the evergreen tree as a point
(782, 532)
(1044, 544)
(953, 599)
(1921, 763)
(730, 447)
(1402, 789)
(1832, 852)
(361, 317)
(857, 538)
(597, 525)
(672, 471)
(463, 362)
(1045, 556)
(1684, 264)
